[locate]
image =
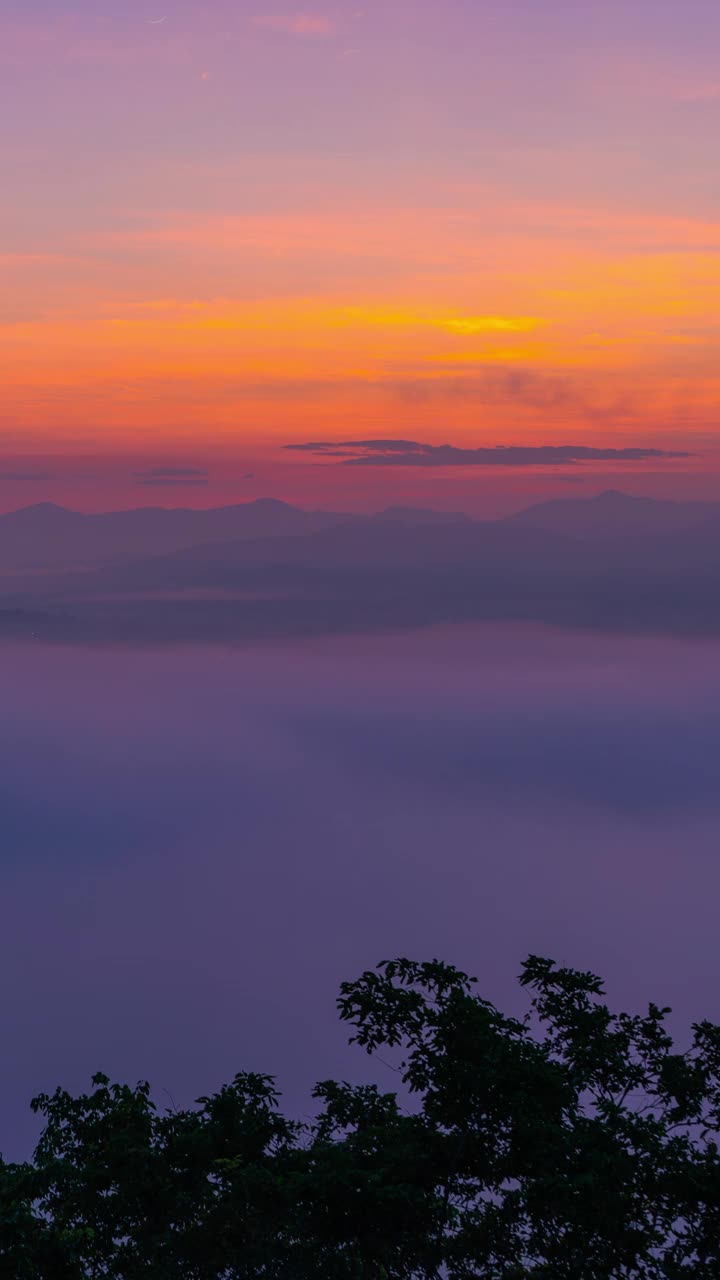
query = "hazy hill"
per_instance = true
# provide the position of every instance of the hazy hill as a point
(50, 537)
(421, 515)
(46, 536)
(613, 562)
(375, 547)
(612, 513)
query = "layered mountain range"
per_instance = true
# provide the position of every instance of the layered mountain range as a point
(266, 568)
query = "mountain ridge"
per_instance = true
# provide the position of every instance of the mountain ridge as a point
(46, 537)
(293, 573)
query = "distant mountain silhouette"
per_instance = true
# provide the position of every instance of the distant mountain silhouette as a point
(612, 513)
(420, 515)
(373, 544)
(266, 570)
(47, 536)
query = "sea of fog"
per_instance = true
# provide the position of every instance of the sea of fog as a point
(198, 845)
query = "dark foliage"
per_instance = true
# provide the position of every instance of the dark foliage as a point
(576, 1144)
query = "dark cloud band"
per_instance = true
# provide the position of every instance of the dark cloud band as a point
(410, 453)
(172, 476)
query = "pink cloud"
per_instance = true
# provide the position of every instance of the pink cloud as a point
(296, 24)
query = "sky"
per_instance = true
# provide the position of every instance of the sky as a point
(237, 225)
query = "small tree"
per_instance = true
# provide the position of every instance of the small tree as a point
(575, 1144)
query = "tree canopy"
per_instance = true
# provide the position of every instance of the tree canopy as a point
(574, 1144)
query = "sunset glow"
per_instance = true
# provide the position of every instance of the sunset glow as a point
(235, 229)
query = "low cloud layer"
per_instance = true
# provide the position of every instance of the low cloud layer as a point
(474, 800)
(410, 453)
(172, 477)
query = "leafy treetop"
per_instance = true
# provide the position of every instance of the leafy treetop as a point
(574, 1144)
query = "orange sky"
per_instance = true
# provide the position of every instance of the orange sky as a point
(216, 295)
